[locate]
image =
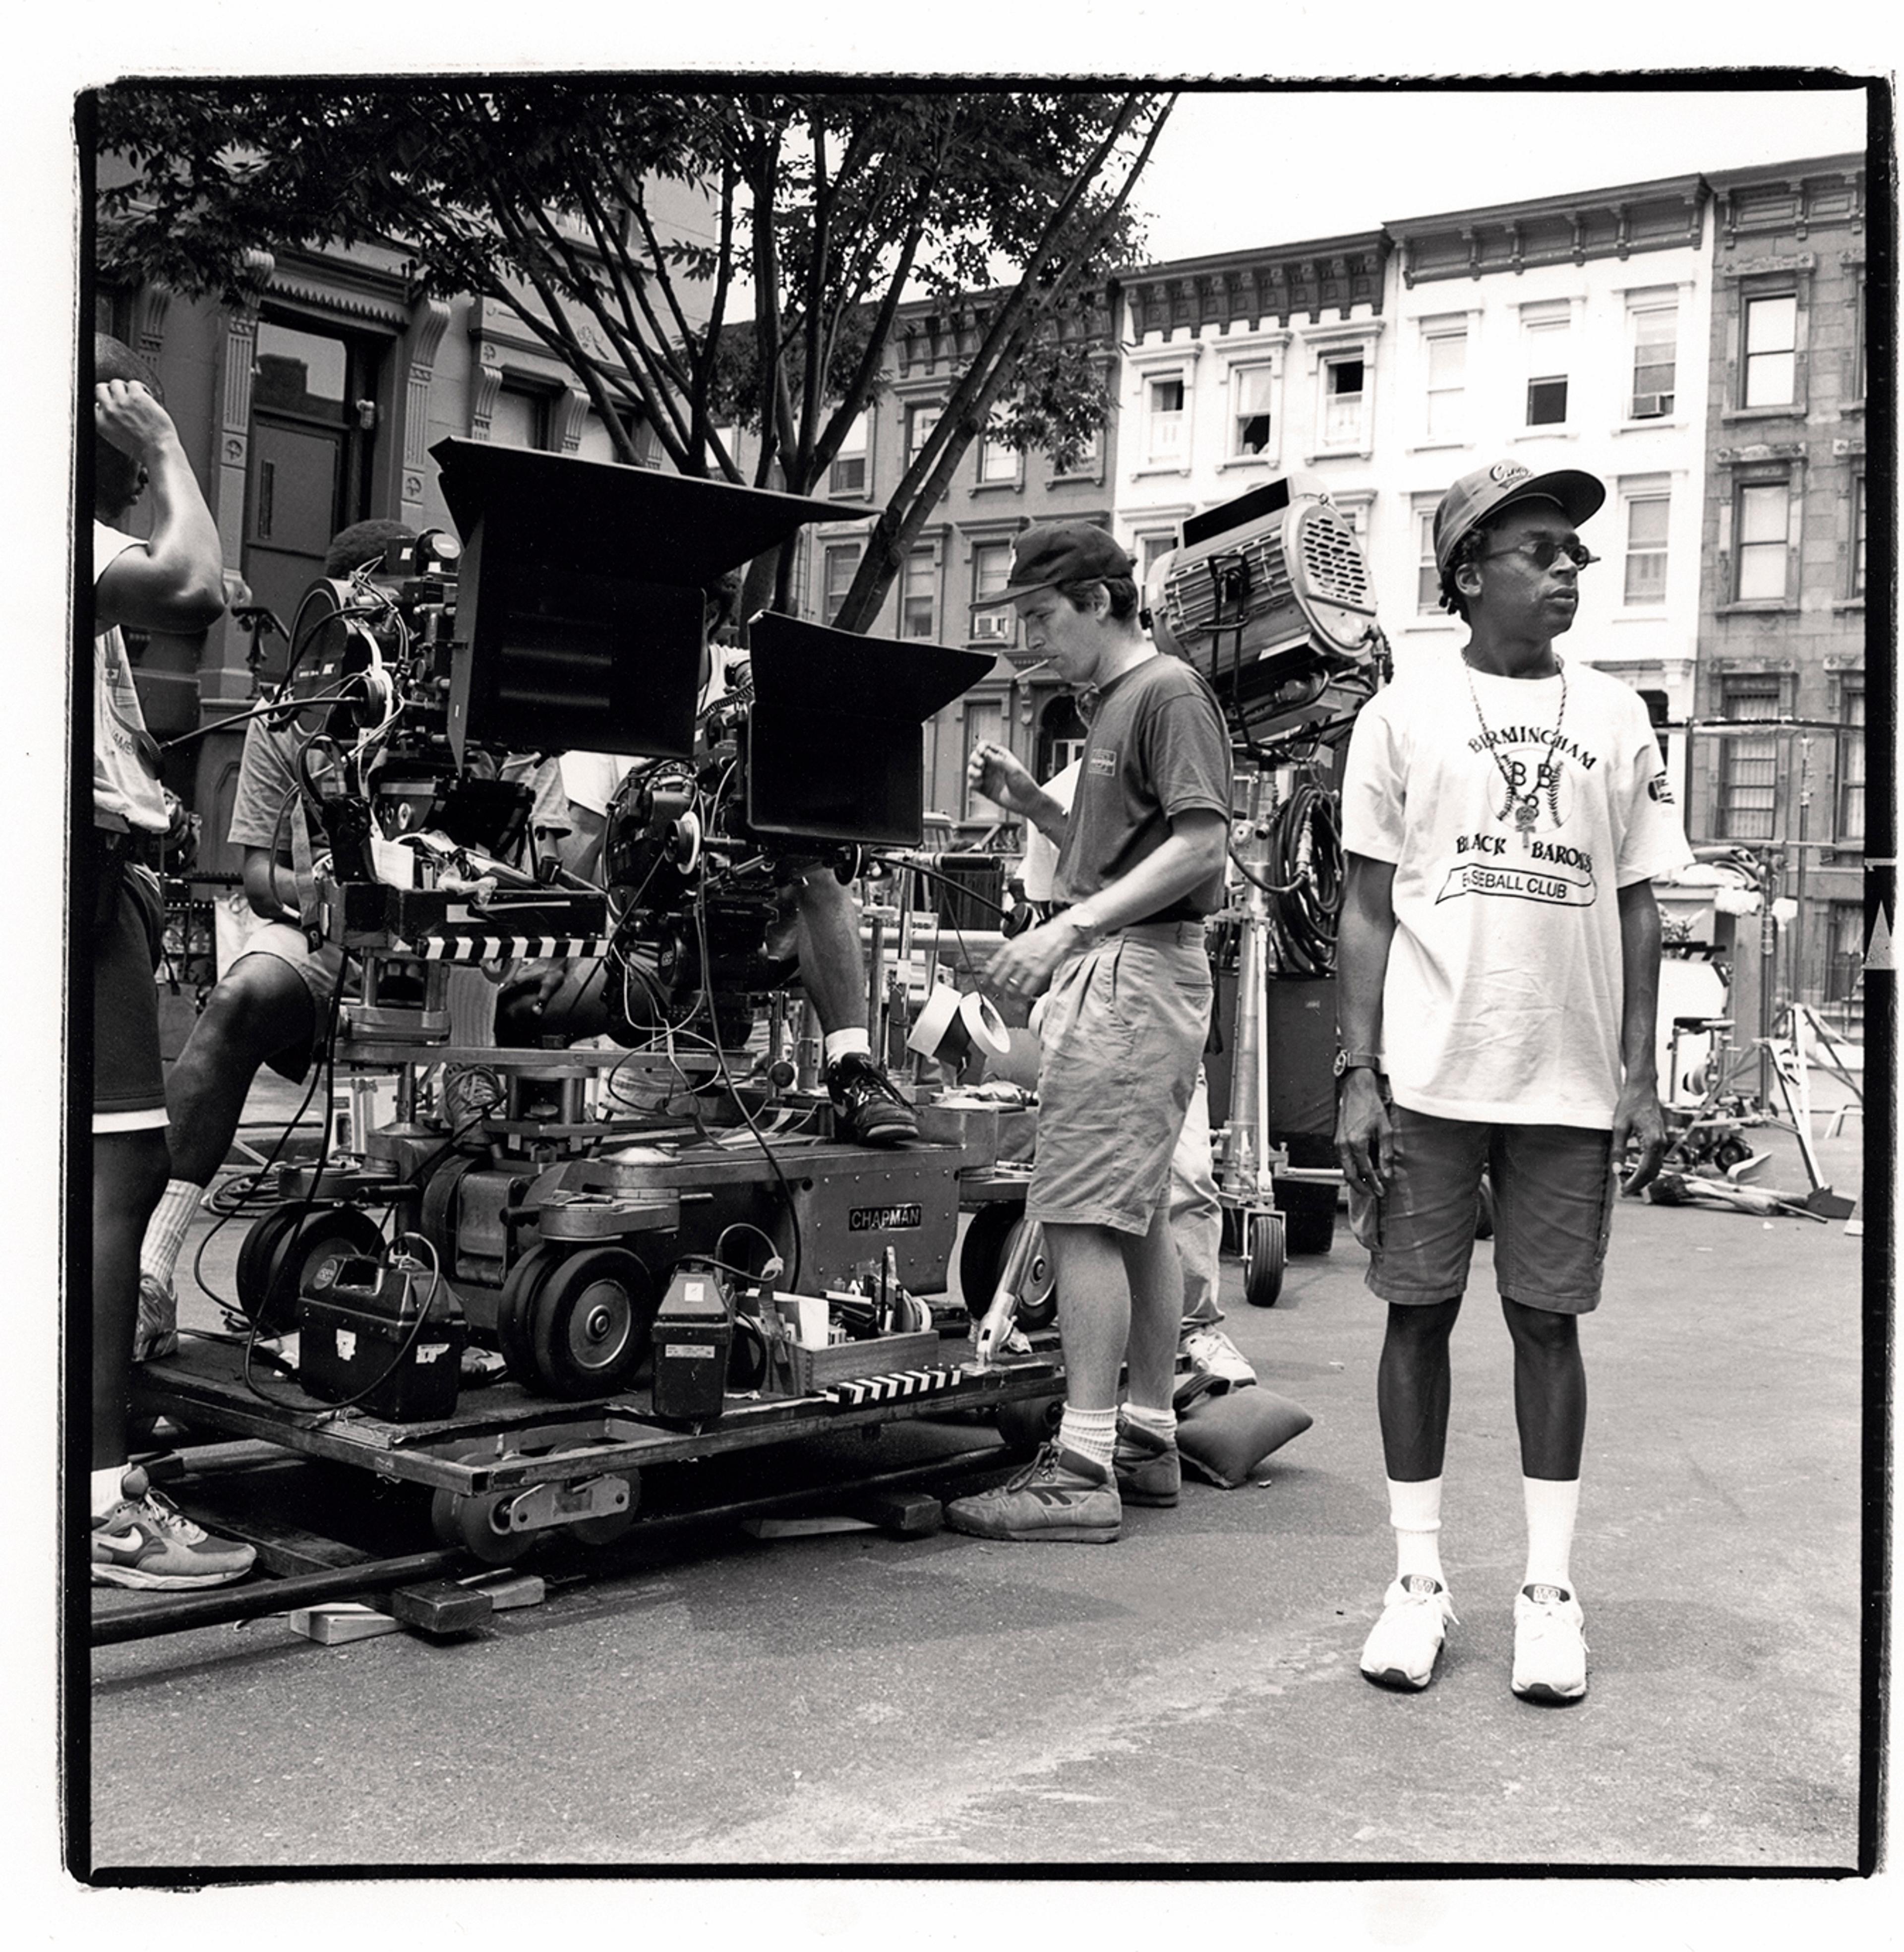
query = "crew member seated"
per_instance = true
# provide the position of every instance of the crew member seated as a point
(820, 928)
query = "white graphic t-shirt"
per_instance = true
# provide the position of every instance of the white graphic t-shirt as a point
(1511, 830)
(123, 786)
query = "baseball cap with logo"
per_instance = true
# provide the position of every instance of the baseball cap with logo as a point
(1057, 552)
(1488, 490)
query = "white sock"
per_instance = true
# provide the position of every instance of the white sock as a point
(844, 1044)
(1414, 1511)
(1091, 1433)
(1551, 1503)
(158, 1252)
(1158, 1423)
(108, 1489)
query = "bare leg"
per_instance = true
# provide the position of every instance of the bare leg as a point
(1094, 1311)
(1550, 1391)
(1412, 1389)
(129, 1170)
(831, 971)
(261, 1008)
(1156, 1274)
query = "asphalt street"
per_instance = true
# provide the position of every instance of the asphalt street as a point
(1187, 1700)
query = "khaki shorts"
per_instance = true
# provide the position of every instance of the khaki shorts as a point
(1553, 1189)
(1122, 1034)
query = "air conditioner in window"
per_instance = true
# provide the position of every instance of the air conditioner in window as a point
(849, 477)
(1651, 406)
(992, 624)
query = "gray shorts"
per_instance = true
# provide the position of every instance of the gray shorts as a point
(318, 969)
(1122, 1034)
(1553, 1189)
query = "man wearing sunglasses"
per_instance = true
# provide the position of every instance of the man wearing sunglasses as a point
(1504, 812)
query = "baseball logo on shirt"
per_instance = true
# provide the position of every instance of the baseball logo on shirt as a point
(1104, 760)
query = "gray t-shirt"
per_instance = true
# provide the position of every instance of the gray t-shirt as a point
(260, 816)
(1156, 748)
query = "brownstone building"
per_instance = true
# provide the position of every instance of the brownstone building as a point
(1782, 628)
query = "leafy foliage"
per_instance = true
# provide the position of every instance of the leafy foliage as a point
(622, 226)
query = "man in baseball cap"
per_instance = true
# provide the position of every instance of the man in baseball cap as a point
(1055, 553)
(1504, 812)
(1489, 490)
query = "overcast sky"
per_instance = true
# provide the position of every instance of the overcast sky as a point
(1274, 167)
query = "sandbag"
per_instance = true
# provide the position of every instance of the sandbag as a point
(1222, 1439)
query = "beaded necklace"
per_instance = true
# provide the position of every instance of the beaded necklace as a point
(1525, 807)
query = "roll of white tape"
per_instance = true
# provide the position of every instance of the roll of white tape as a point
(984, 1026)
(936, 1017)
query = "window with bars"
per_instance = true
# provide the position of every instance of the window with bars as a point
(1446, 391)
(1655, 339)
(1851, 764)
(1769, 370)
(1250, 408)
(1760, 556)
(1164, 419)
(1749, 765)
(848, 475)
(842, 565)
(919, 596)
(1647, 520)
(991, 571)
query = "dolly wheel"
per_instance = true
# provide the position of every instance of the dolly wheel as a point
(1263, 1259)
(606, 1531)
(1029, 1422)
(475, 1520)
(590, 1322)
(990, 1238)
(512, 1309)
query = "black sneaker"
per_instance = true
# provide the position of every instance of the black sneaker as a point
(867, 1105)
(1147, 1467)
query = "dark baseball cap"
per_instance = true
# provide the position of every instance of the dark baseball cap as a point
(1057, 552)
(1488, 490)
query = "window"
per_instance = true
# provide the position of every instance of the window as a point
(996, 462)
(919, 596)
(991, 571)
(1846, 927)
(1655, 336)
(1343, 382)
(984, 720)
(1163, 420)
(1446, 393)
(1151, 550)
(843, 565)
(1856, 390)
(848, 474)
(1427, 578)
(1770, 375)
(1764, 517)
(1851, 762)
(920, 422)
(1857, 583)
(1250, 410)
(1748, 768)
(1647, 517)
(1085, 461)
(517, 419)
(1544, 331)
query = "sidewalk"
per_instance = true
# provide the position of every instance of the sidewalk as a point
(1187, 1698)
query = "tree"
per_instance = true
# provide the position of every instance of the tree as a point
(830, 207)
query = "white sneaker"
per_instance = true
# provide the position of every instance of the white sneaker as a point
(1213, 1352)
(1404, 1644)
(1549, 1648)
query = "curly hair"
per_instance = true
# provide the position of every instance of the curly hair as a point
(362, 543)
(1467, 551)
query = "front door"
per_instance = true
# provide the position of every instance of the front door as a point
(309, 457)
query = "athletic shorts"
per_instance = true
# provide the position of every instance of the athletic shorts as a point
(1121, 1035)
(317, 969)
(1553, 1189)
(128, 937)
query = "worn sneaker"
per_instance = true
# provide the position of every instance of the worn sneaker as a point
(1212, 1351)
(867, 1104)
(145, 1540)
(157, 1333)
(1145, 1467)
(1549, 1648)
(1058, 1496)
(1404, 1644)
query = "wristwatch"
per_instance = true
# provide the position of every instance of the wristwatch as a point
(1085, 923)
(1347, 1060)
